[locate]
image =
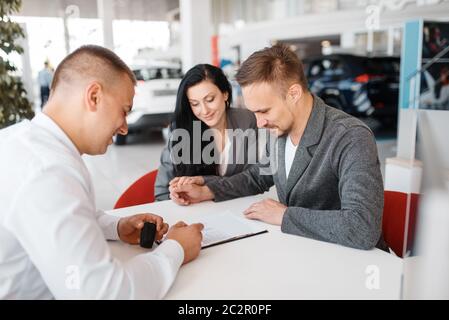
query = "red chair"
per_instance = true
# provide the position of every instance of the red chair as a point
(394, 217)
(140, 192)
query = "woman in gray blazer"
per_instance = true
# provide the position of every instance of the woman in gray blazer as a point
(203, 103)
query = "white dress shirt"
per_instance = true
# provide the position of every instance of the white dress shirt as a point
(52, 238)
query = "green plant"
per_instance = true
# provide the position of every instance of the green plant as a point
(14, 105)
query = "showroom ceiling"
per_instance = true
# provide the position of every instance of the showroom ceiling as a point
(124, 9)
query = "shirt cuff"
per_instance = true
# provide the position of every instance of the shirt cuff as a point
(109, 224)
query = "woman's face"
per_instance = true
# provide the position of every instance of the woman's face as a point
(208, 103)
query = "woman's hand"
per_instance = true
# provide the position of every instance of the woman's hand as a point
(180, 181)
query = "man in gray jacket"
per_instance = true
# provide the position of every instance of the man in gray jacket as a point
(328, 175)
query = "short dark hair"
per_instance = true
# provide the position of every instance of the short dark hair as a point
(91, 61)
(275, 65)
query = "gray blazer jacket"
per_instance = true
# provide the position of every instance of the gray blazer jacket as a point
(334, 191)
(236, 119)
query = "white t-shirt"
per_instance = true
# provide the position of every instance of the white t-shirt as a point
(53, 240)
(290, 151)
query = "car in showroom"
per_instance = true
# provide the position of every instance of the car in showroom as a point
(361, 86)
(155, 98)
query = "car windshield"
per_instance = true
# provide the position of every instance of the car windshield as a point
(152, 73)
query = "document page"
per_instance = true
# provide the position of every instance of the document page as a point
(225, 227)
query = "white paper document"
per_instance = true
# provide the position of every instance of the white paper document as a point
(226, 227)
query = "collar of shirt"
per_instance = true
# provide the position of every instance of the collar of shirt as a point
(47, 123)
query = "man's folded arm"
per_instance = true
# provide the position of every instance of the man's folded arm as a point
(245, 183)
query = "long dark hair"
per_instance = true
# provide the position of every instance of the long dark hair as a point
(184, 117)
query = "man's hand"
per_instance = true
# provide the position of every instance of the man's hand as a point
(129, 228)
(179, 181)
(189, 237)
(268, 210)
(190, 193)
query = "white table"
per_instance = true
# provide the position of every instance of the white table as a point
(272, 265)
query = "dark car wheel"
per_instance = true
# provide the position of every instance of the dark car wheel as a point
(120, 140)
(334, 102)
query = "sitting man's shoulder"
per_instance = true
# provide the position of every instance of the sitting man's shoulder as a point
(341, 123)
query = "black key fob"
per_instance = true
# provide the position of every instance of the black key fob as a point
(147, 235)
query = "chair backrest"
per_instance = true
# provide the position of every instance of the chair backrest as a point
(140, 192)
(394, 219)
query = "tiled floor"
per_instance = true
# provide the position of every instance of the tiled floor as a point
(114, 171)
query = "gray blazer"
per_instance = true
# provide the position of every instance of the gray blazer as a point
(236, 119)
(334, 191)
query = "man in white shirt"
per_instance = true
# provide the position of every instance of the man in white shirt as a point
(53, 240)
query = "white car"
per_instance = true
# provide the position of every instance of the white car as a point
(155, 98)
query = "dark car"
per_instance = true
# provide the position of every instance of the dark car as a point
(361, 86)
